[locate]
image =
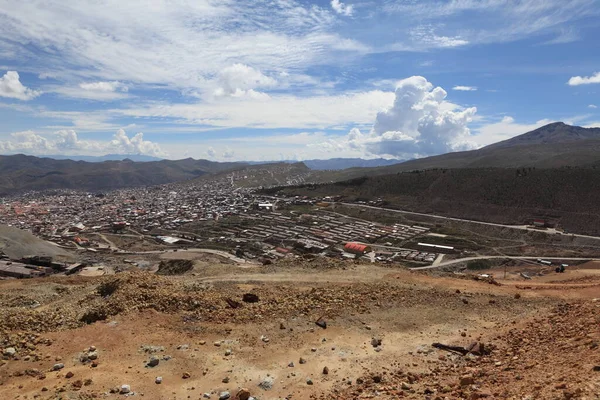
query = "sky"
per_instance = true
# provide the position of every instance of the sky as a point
(265, 80)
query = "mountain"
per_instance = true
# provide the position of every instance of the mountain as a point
(107, 157)
(344, 163)
(20, 173)
(554, 133)
(552, 146)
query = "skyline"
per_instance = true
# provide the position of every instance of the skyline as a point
(291, 80)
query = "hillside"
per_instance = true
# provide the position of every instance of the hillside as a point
(276, 174)
(17, 243)
(567, 196)
(557, 132)
(20, 173)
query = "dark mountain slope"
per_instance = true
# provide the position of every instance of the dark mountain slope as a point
(21, 172)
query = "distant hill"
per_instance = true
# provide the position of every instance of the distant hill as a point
(107, 157)
(20, 173)
(266, 175)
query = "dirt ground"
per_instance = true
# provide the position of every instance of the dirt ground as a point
(542, 334)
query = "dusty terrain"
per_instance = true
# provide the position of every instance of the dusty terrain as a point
(541, 336)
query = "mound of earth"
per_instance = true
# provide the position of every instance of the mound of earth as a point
(174, 267)
(16, 244)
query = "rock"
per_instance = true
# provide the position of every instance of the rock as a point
(9, 352)
(325, 371)
(464, 300)
(153, 362)
(266, 384)
(217, 343)
(243, 394)
(228, 352)
(264, 339)
(477, 348)
(466, 380)
(309, 381)
(92, 355)
(206, 395)
(69, 375)
(314, 349)
(375, 342)
(185, 375)
(92, 349)
(302, 361)
(250, 298)
(158, 380)
(405, 386)
(596, 368)
(225, 380)
(125, 389)
(321, 323)
(224, 396)
(58, 367)
(377, 379)
(291, 365)
(281, 326)
(517, 296)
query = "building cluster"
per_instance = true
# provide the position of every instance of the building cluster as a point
(199, 213)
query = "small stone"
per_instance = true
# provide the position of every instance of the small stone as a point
(225, 380)
(281, 326)
(302, 361)
(464, 300)
(405, 386)
(158, 380)
(377, 379)
(92, 349)
(93, 355)
(206, 395)
(291, 365)
(69, 375)
(9, 352)
(224, 396)
(596, 368)
(517, 296)
(185, 375)
(125, 389)
(466, 380)
(325, 371)
(227, 352)
(202, 342)
(250, 298)
(153, 362)
(243, 394)
(217, 343)
(266, 384)
(58, 367)
(309, 381)
(314, 349)
(375, 342)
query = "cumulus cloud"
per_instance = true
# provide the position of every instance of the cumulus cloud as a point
(135, 145)
(419, 123)
(228, 153)
(11, 87)
(592, 106)
(465, 88)
(342, 8)
(240, 80)
(211, 152)
(584, 80)
(67, 141)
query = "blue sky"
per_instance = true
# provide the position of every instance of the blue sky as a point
(291, 79)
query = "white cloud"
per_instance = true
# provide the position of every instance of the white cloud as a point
(342, 8)
(465, 88)
(276, 111)
(566, 35)
(240, 80)
(592, 106)
(210, 152)
(426, 37)
(135, 145)
(228, 153)
(67, 142)
(419, 123)
(104, 86)
(11, 87)
(584, 80)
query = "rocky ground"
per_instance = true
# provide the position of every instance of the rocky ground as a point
(343, 331)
